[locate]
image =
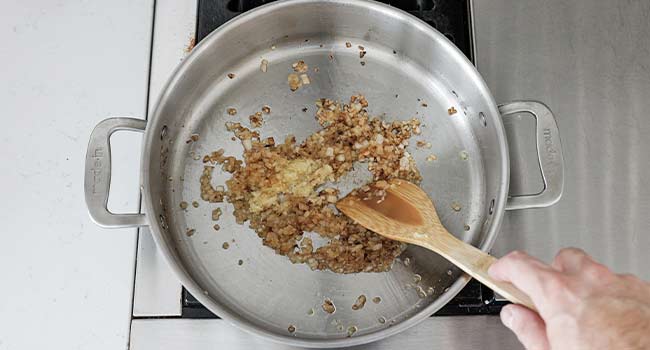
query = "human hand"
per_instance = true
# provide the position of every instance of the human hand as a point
(581, 303)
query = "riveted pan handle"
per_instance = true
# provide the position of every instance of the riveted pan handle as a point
(549, 154)
(97, 181)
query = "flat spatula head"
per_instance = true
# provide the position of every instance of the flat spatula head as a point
(399, 211)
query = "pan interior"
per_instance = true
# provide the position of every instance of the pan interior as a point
(267, 288)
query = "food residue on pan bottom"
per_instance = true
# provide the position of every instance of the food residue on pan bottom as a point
(360, 303)
(286, 189)
(328, 306)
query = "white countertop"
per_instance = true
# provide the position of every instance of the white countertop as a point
(65, 65)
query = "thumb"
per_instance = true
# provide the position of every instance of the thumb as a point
(527, 325)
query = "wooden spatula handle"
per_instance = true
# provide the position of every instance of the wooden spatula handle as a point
(475, 263)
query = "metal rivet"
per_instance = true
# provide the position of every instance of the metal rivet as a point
(481, 117)
(163, 132)
(163, 221)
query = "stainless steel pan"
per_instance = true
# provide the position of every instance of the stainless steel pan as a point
(406, 60)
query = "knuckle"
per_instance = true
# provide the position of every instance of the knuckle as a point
(595, 271)
(630, 278)
(557, 287)
(516, 255)
(633, 282)
(571, 252)
(555, 279)
(554, 282)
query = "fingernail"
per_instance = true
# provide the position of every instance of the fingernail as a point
(506, 316)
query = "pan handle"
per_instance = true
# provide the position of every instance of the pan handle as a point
(97, 181)
(549, 154)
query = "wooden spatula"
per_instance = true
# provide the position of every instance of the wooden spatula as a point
(403, 212)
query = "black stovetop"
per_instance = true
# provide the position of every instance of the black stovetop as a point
(450, 17)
